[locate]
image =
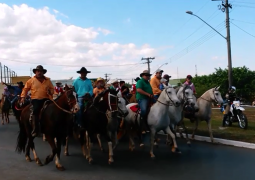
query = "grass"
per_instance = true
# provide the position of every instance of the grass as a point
(231, 133)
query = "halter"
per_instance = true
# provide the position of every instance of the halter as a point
(215, 99)
(169, 99)
(185, 98)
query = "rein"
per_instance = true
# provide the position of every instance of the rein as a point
(169, 99)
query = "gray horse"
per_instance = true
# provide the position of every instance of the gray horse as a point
(205, 110)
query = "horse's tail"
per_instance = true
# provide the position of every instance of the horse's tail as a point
(22, 138)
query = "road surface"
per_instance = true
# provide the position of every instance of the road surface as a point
(198, 162)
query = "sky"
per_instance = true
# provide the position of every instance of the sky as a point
(112, 36)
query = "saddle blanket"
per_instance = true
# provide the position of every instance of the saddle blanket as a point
(134, 108)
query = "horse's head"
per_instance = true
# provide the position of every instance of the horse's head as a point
(71, 99)
(169, 95)
(216, 95)
(185, 94)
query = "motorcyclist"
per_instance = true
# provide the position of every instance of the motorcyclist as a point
(230, 97)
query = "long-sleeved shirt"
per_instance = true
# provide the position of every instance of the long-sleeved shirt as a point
(97, 91)
(155, 82)
(38, 89)
(82, 87)
(192, 86)
(16, 89)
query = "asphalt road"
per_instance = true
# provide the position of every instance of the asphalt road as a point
(198, 162)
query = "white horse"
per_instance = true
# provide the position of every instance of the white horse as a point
(185, 95)
(205, 109)
(158, 117)
(113, 124)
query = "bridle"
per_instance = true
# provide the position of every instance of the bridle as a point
(215, 99)
(171, 103)
(185, 98)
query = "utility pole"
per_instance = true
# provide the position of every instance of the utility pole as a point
(196, 70)
(106, 75)
(225, 8)
(148, 59)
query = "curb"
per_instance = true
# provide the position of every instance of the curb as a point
(220, 141)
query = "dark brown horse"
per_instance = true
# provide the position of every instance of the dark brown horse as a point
(5, 107)
(96, 122)
(54, 121)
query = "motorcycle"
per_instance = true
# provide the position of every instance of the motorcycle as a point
(235, 115)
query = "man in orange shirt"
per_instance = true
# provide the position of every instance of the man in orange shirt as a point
(155, 83)
(100, 86)
(41, 90)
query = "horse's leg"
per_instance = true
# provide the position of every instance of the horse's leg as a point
(99, 142)
(194, 130)
(185, 130)
(66, 146)
(37, 160)
(109, 140)
(27, 153)
(50, 158)
(116, 141)
(82, 140)
(44, 138)
(153, 132)
(210, 129)
(130, 133)
(2, 117)
(89, 137)
(174, 147)
(57, 159)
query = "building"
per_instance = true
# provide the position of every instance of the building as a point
(14, 80)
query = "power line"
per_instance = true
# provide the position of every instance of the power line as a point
(148, 61)
(243, 21)
(66, 65)
(242, 30)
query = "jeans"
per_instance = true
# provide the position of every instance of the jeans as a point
(144, 106)
(80, 113)
(155, 98)
(37, 106)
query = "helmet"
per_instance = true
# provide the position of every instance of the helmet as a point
(232, 89)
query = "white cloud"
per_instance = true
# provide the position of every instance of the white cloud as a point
(36, 36)
(59, 13)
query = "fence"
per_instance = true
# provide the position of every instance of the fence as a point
(6, 74)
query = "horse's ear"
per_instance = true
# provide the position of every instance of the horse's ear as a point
(164, 85)
(218, 88)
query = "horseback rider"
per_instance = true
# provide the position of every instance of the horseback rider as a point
(100, 86)
(58, 89)
(189, 82)
(42, 90)
(144, 95)
(124, 89)
(166, 81)
(155, 83)
(82, 86)
(230, 97)
(163, 81)
(115, 85)
(133, 87)
(16, 90)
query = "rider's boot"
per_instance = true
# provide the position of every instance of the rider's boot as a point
(144, 124)
(35, 125)
(224, 119)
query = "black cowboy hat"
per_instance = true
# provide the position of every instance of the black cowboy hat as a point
(145, 72)
(39, 67)
(21, 83)
(83, 70)
(136, 79)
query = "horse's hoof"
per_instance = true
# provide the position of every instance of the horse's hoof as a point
(177, 151)
(90, 161)
(153, 156)
(141, 145)
(110, 162)
(28, 159)
(47, 161)
(66, 154)
(38, 161)
(60, 168)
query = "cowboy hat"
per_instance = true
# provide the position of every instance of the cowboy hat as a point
(115, 81)
(189, 77)
(58, 82)
(99, 79)
(136, 79)
(83, 70)
(145, 72)
(40, 68)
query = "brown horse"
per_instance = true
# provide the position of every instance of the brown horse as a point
(96, 122)
(54, 121)
(5, 107)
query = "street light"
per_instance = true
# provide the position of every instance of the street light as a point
(161, 66)
(228, 46)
